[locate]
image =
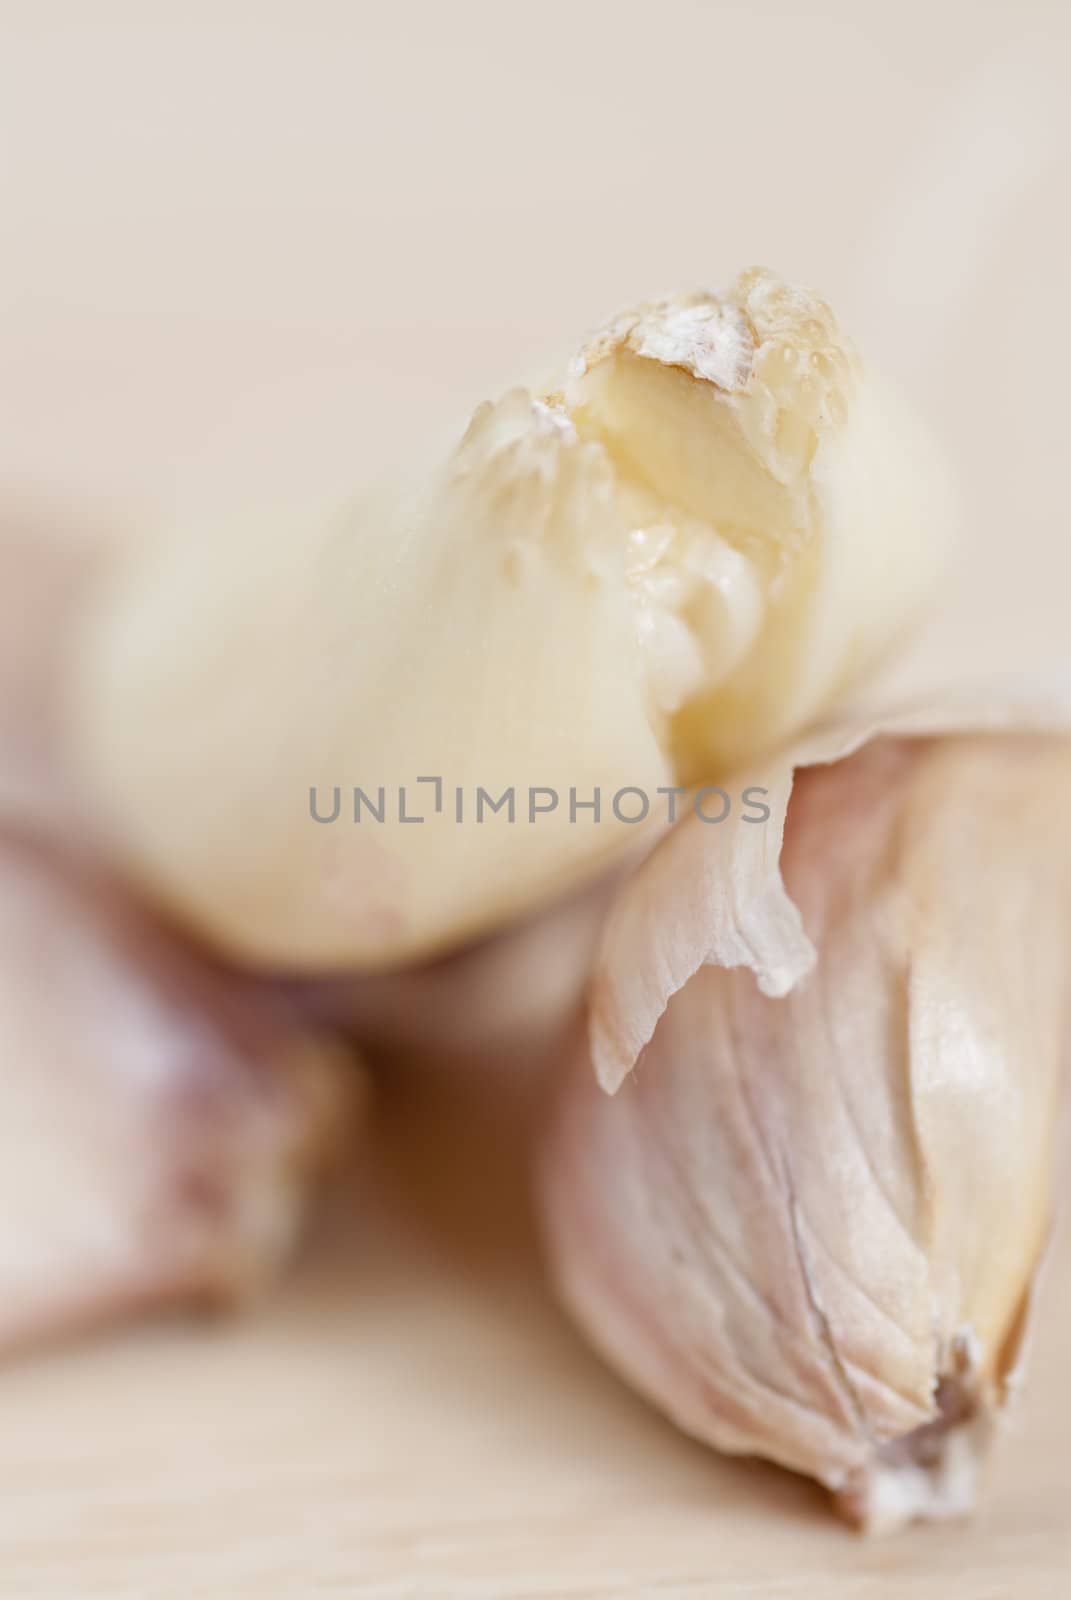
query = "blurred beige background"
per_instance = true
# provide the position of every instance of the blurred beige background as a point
(246, 251)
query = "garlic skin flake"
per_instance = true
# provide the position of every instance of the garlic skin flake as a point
(807, 1227)
(683, 547)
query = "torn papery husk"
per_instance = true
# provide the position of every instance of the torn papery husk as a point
(729, 905)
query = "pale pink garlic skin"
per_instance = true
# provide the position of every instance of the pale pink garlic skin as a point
(48, 575)
(163, 1123)
(807, 1227)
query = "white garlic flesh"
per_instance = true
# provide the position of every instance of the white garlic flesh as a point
(681, 549)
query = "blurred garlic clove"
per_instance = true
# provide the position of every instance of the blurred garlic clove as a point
(48, 571)
(684, 547)
(516, 995)
(808, 1227)
(163, 1124)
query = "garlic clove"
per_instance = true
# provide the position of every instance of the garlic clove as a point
(163, 1125)
(477, 634)
(515, 995)
(48, 572)
(679, 550)
(750, 414)
(807, 1227)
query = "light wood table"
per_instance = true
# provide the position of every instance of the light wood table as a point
(411, 1416)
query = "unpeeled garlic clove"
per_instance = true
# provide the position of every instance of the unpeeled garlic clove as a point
(808, 1227)
(684, 546)
(163, 1124)
(48, 573)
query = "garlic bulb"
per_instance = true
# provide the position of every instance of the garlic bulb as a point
(162, 1123)
(808, 1227)
(683, 547)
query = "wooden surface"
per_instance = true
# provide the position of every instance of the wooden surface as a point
(410, 1416)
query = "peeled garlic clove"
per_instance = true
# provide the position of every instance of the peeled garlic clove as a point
(162, 1124)
(752, 421)
(807, 1227)
(683, 547)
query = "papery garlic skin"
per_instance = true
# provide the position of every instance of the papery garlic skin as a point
(163, 1124)
(680, 549)
(807, 1227)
